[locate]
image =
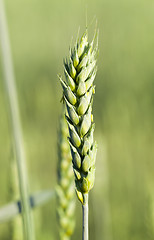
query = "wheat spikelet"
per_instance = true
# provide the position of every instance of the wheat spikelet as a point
(65, 188)
(78, 89)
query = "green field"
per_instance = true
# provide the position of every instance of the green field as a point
(122, 200)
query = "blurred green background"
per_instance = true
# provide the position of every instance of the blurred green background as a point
(122, 201)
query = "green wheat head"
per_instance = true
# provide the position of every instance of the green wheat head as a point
(65, 188)
(78, 89)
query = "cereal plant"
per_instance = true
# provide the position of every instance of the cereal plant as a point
(65, 188)
(77, 149)
(78, 89)
(11, 94)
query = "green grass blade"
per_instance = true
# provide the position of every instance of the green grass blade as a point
(12, 209)
(8, 211)
(42, 197)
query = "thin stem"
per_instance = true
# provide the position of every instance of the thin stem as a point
(16, 125)
(85, 218)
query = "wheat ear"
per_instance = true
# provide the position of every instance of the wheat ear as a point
(65, 188)
(78, 89)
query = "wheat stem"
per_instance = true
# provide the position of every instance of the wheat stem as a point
(85, 218)
(11, 93)
(15, 231)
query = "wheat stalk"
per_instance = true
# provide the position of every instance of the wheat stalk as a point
(11, 93)
(78, 89)
(15, 227)
(65, 188)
